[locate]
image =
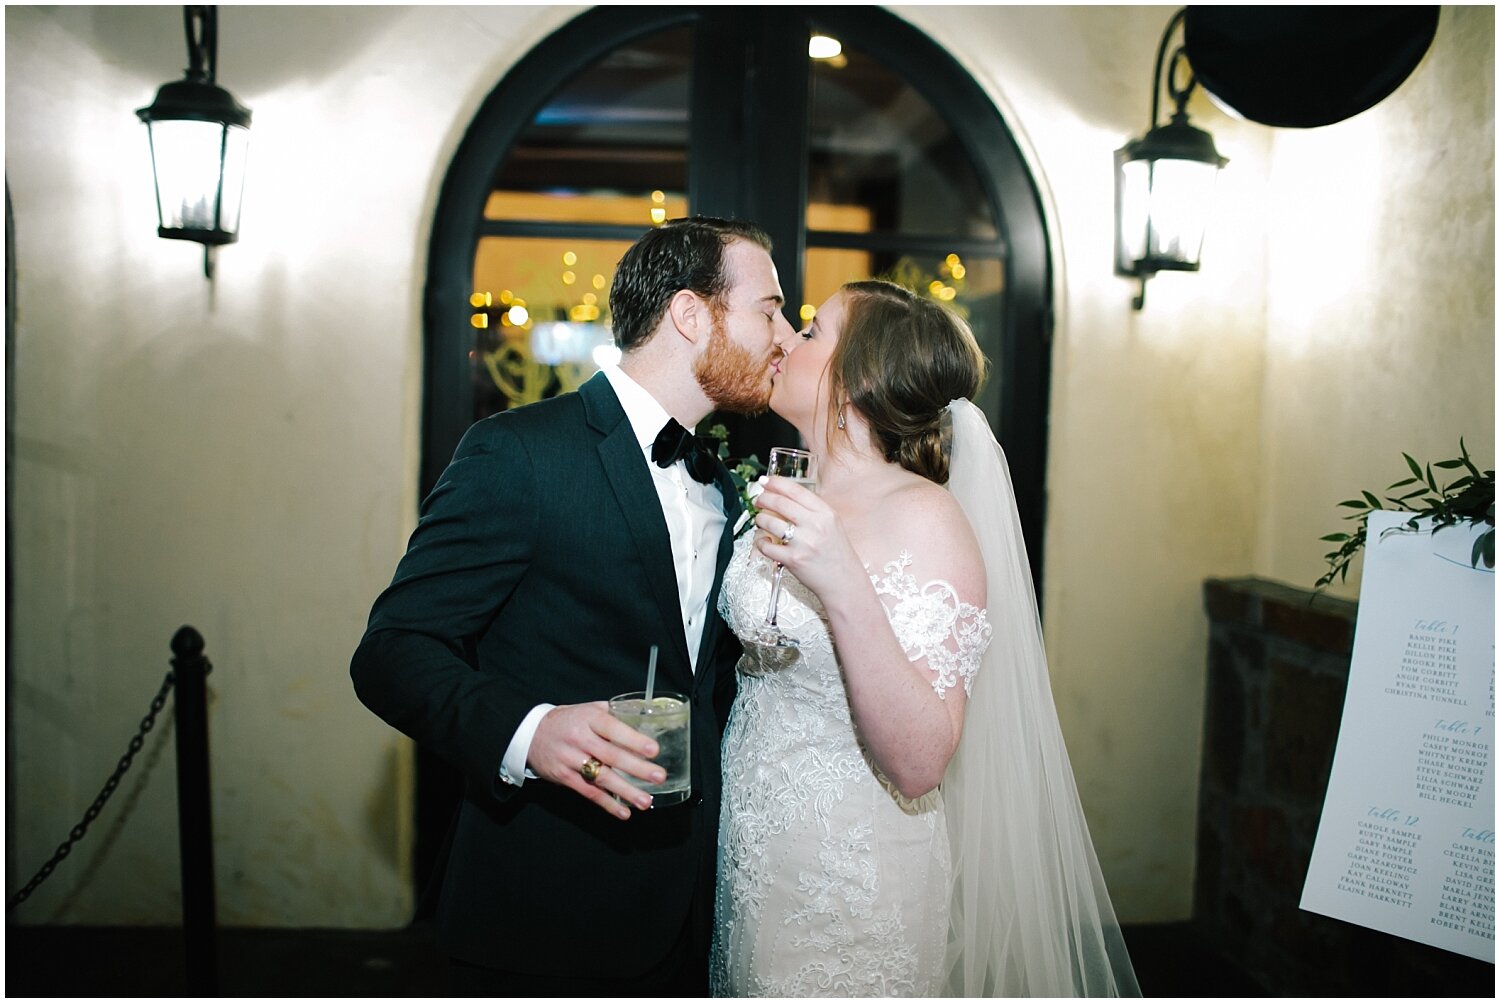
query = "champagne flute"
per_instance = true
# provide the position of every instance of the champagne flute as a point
(798, 465)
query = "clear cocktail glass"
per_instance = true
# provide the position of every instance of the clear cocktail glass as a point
(667, 718)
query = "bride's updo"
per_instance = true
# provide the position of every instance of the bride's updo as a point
(900, 359)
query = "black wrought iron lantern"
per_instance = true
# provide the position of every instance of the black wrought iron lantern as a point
(1164, 183)
(200, 141)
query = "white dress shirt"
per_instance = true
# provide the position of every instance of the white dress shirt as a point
(695, 521)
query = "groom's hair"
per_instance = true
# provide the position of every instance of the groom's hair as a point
(680, 254)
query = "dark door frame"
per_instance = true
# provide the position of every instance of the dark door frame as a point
(745, 162)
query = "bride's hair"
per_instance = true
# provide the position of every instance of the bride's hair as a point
(900, 359)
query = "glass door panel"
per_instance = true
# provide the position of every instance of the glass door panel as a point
(540, 317)
(876, 143)
(617, 131)
(972, 287)
(605, 158)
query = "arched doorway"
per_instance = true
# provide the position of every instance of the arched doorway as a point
(885, 159)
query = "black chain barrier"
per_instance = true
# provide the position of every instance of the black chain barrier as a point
(78, 831)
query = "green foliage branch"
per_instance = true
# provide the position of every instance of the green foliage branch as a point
(1470, 498)
(742, 472)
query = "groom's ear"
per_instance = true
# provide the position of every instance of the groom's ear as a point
(689, 315)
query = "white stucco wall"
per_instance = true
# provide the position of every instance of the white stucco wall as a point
(1381, 316)
(240, 457)
(243, 457)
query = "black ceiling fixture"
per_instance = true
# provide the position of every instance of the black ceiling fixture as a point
(1304, 67)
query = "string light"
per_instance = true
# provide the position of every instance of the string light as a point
(479, 301)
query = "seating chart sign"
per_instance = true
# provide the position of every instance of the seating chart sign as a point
(1406, 841)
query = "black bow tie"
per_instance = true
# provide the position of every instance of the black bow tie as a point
(675, 443)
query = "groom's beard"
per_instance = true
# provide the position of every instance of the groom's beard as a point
(731, 377)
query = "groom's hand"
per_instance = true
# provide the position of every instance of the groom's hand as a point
(569, 736)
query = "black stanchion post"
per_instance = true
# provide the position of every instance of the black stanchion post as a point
(194, 815)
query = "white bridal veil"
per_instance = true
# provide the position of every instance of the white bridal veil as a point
(1030, 913)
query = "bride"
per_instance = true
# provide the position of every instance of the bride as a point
(899, 817)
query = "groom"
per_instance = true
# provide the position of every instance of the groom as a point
(560, 545)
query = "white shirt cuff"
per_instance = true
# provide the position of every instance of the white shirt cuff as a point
(513, 769)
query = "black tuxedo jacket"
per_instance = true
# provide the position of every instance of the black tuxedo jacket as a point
(541, 572)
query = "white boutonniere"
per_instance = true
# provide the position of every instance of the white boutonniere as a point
(748, 494)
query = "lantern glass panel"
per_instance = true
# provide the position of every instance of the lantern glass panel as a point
(189, 157)
(236, 156)
(1135, 211)
(1181, 192)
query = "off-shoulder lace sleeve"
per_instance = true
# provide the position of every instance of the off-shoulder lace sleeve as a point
(931, 621)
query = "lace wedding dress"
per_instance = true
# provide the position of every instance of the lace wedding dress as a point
(830, 882)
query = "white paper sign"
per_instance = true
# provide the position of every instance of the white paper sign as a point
(1406, 842)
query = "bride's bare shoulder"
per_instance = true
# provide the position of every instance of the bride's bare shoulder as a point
(923, 519)
(916, 499)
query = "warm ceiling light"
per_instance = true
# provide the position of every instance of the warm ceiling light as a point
(823, 47)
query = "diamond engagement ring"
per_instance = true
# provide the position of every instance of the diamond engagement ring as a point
(788, 533)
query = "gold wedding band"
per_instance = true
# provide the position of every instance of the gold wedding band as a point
(788, 533)
(590, 769)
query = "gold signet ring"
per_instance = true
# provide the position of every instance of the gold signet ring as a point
(590, 769)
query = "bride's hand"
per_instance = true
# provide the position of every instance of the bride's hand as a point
(818, 551)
